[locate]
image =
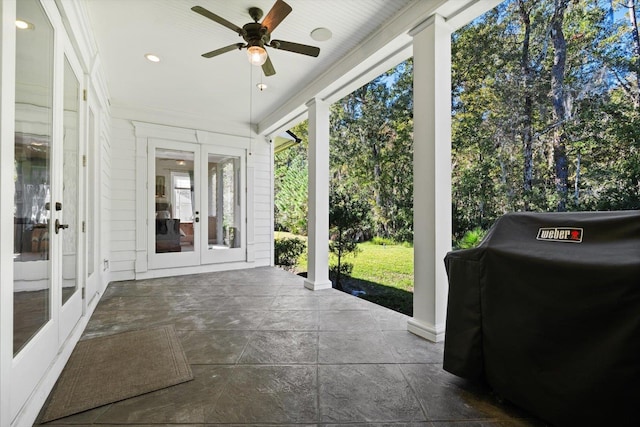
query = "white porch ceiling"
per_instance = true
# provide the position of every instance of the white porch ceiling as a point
(221, 92)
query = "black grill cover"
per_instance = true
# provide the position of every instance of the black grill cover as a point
(546, 310)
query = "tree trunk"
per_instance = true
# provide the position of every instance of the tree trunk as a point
(576, 185)
(338, 273)
(560, 113)
(527, 114)
(636, 38)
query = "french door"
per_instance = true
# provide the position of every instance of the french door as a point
(224, 194)
(174, 205)
(47, 298)
(196, 212)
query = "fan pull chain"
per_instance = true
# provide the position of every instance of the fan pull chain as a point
(251, 110)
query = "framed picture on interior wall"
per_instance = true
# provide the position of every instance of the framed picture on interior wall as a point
(160, 189)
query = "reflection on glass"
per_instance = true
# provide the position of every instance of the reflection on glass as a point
(70, 184)
(224, 202)
(32, 203)
(174, 200)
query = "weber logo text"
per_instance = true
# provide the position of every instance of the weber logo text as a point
(560, 234)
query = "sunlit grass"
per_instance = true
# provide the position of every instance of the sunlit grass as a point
(386, 264)
(389, 265)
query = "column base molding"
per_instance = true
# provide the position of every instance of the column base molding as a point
(433, 333)
(316, 286)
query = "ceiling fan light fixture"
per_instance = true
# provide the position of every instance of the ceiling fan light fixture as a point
(24, 25)
(257, 55)
(152, 58)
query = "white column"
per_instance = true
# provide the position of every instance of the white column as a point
(318, 216)
(432, 175)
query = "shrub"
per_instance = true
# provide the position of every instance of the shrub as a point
(471, 238)
(348, 216)
(287, 251)
(344, 269)
(382, 241)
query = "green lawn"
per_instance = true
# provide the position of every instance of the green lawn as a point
(381, 273)
(388, 265)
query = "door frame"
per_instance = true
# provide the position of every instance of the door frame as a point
(145, 133)
(172, 259)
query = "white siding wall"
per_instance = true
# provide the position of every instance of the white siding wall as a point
(105, 188)
(263, 204)
(123, 201)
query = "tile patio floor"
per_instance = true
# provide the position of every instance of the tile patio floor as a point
(264, 350)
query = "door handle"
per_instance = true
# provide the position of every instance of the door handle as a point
(59, 226)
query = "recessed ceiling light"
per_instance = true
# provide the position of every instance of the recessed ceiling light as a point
(321, 34)
(151, 57)
(261, 86)
(24, 25)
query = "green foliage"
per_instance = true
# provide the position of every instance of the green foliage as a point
(383, 241)
(291, 183)
(372, 149)
(471, 239)
(502, 96)
(339, 270)
(503, 125)
(288, 252)
(348, 219)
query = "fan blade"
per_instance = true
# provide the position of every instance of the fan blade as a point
(267, 68)
(295, 47)
(278, 12)
(223, 50)
(220, 20)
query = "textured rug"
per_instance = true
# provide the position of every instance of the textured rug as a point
(111, 368)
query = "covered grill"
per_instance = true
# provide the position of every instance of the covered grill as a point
(546, 310)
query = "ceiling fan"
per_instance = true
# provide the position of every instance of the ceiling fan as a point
(257, 36)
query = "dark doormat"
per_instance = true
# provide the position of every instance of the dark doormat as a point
(107, 369)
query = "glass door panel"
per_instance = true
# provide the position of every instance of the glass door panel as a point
(223, 232)
(67, 223)
(223, 219)
(175, 214)
(70, 184)
(33, 173)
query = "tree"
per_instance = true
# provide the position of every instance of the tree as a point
(371, 147)
(544, 101)
(348, 218)
(290, 185)
(559, 110)
(633, 21)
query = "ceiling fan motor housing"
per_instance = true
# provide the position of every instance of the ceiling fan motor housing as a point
(255, 34)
